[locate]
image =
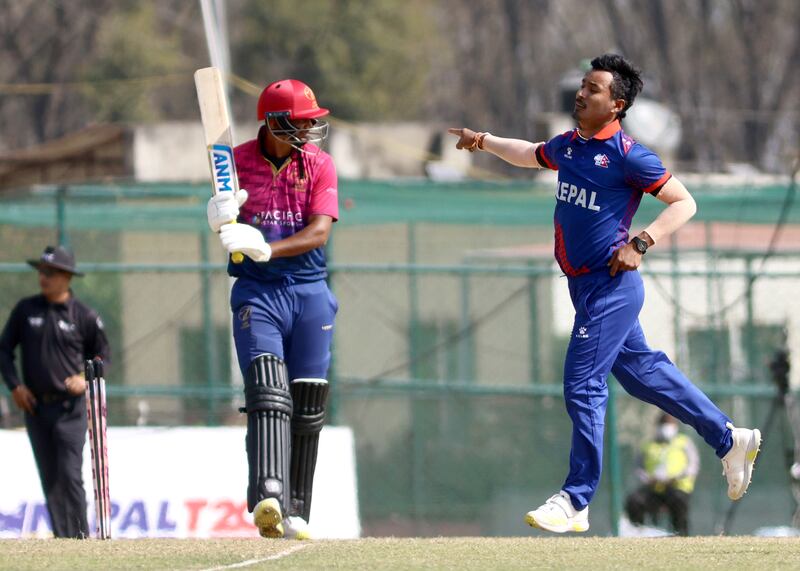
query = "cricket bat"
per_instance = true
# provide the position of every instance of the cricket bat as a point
(216, 119)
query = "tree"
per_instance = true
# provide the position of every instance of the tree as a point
(727, 67)
(133, 64)
(32, 54)
(365, 60)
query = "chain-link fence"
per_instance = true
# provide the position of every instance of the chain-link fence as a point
(450, 340)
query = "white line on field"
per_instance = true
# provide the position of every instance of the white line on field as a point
(249, 562)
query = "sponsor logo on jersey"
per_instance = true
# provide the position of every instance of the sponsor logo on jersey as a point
(278, 217)
(64, 326)
(568, 154)
(582, 333)
(36, 321)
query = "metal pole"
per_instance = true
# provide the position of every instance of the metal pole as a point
(714, 323)
(413, 304)
(533, 326)
(615, 480)
(335, 392)
(209, 337)
(215, 28)
(418, 419)
(680, 352)
(216, 35)
(750, 329)
(61, 216)
(466, 364)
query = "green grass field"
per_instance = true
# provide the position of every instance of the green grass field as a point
(592, 553)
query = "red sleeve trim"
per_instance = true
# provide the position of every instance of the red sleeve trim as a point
(541, 157)
(658, 184)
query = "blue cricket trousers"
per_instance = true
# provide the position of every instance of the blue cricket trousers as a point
(293, 321)
(607, 337)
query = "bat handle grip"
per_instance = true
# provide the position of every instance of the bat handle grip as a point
(237, 257)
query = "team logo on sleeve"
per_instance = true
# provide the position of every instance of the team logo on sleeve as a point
(244, 316)
(601, 161)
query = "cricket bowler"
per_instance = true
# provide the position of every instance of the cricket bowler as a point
(602, 175)
(283, 311)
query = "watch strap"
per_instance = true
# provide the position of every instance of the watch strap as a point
(641, 245)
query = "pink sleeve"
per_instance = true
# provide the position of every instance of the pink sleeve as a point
(325, 190)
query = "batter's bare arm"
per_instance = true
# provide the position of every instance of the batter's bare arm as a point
(514, 151)
(309, 238)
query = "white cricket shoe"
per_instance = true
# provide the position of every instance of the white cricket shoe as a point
(268, 518)
(558, 515)
(737, 465)
(295, 527)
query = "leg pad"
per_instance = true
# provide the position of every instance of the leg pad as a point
(309, 397)
(268, 404)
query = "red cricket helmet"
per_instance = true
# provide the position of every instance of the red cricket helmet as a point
(289, 96)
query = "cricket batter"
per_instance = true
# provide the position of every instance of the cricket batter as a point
(602, 176)
(283, 311)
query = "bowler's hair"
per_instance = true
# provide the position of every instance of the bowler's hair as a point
(627, 82)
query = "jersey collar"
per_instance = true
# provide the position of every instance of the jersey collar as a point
(605, 133)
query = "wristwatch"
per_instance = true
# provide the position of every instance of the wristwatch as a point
(639, 244)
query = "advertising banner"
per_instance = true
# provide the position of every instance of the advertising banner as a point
(178, 482)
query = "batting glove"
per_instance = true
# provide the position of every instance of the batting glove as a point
(245, 239)
(223, 208)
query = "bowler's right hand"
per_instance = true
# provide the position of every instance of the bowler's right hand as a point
(223, 208)
(466, 138)
(24, 399)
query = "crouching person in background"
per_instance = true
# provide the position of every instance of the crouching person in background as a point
(667, 469)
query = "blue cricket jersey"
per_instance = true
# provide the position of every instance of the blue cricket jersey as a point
(600, 185)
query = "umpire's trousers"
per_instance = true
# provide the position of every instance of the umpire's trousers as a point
(607, 337)
(58, 433)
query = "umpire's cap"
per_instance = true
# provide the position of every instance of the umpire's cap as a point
(57, 257)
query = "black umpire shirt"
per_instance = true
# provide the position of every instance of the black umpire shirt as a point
(55, 338)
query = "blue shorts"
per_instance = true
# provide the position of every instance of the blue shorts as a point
(291, 320)
(607, 338)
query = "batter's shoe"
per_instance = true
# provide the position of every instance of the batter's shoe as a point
(558, 515)
(268, 518)
(295, 527)
(737, 465)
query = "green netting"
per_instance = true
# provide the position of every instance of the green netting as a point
(181, 207)
(447, 361)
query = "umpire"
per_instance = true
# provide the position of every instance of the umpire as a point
(57, 333)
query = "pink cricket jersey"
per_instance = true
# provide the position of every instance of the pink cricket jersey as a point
(280, 203)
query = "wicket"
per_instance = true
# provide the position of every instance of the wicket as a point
(97, 415)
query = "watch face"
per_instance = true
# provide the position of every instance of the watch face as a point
(640, 244)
